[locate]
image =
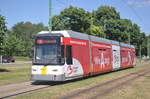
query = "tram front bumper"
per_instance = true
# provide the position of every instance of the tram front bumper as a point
(48, 77)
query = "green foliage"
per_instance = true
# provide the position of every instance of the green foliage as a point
(25, 32)
(13, 46)
(19, 41)
(118, 30)
(143, 43)
(21, 58)
(72, 18)
(112, 30)
(148, 46)
(96, 31)
(57, 23)
(3, 30)
(104, 13)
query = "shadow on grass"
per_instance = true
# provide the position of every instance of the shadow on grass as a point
(52, 83)
(4, 70)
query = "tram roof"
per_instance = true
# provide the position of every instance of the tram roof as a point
(126, 45)
(83, 36)
(100, 40)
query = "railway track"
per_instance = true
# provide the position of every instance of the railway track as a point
(11, 90)
(105, 88)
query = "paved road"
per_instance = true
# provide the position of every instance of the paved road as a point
(17, 63)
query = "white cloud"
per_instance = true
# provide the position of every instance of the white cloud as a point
(139, 3)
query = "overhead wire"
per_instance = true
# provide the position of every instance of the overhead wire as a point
(62, 3)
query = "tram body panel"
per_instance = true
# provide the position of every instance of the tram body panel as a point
(66, 55)
(48, 73)
(101, 57)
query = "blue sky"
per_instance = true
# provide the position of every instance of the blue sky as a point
(36, 11)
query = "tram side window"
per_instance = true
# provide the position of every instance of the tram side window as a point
(69, 55)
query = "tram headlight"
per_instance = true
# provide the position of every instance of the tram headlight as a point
(33, 69)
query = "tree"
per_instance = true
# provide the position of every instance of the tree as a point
(72, 18)
(96, 31)
(143, 40)
(115, 31)
(57, 23)
(135, 35)
(26, 32)
(114, 27)
(3, 30)
(104, 13)
(13, 46)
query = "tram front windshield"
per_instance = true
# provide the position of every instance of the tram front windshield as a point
(48, 52)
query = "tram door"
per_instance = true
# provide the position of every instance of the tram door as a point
(116, 57)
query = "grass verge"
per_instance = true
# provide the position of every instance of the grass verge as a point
(21, 58)
(137, 89)
(56, 91)
(14, 74)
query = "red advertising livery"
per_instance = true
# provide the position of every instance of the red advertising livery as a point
(66, 55)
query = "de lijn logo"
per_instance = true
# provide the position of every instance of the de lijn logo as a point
(69, 70)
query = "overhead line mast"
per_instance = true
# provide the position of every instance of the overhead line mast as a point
(50, 16)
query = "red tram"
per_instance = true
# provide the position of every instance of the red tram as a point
(66, 55)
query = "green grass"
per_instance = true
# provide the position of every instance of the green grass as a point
(14, 74)
(57, 91)
(21, 58)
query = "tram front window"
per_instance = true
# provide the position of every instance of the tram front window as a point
(48, 52)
